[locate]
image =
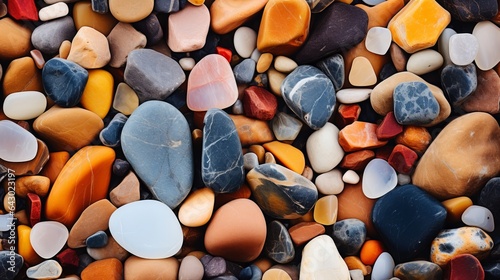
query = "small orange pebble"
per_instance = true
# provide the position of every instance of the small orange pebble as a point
(303, 232)
(53, 167)
(263, 264)
(416, 138)
(359, 135)
(370, 251)
(259, 151)
(354, 262)
(455, 207)
(288, 155)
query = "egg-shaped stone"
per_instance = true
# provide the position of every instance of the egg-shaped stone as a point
(24, 105)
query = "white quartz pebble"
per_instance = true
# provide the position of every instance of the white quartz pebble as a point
(321, 260)
(383, 267)
(378, 40)
(24, 105)
(488, 37)
(284, 64)
(49, 269)
(356, 274)
(330, 182)
(187, 63)
(245, 41)
(463, 49)
(379, 178)
(353, 95)
(48, 237)
(16, 144)
(53, 11)
(255, 55)
(350, 177)
(323, 148)
(444, 45)
(479, 216)
(424, 61)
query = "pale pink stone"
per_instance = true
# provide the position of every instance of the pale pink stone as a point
(211, 84)
(188, 28)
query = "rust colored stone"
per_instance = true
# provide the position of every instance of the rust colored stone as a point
(357, 161)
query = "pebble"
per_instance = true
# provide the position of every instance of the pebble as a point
(110, 135)
(349, 235)
(414, 104)
(251, 272)
(89, 48)
(33, 166)
(245, 41)
(130, 11)
(98, 92)
(323, 150)
(48, 269)
(259, 103)
(358, 160)
(480, 217)
(284, 64)
(402, 159)
(469, 12)
(484, 98)
(97, 240)
(48, 237)
(355, 264)
(288, 155)
(136, 268)
(53, 11)
(127, 191)
(187, 63)
(250, 160)
(418, 270)
(350, 177)
(353, 95)
(321, 259)
(227, 15)
(22, 75)
(378, 40)
(111, 250)
(416, 138)
(168, 6)
(425, 61)
(279, 245)
(10, 150)
(459, 82)
(125, 99)
(22, 10)
(389, 127)
(24, 247)
(48, 36)
(359, 135)
(123, 39)
(190, 269)
(111, 269)
(455, 207)
(362, 73)
(487, 35)
(252, 131)
(188, 28)
(285, 127)
(491, 270)
(354, 204)
(264, 62)
(333, 67)
(330, 182)
(197, 208)
(151, 28)
(57, 75)
(20, 43)
(465, 266)
(463, 48)
(83, 15)
(14, 262)
(383, 267)
(100, 6)
(244, 71)
(325, 210)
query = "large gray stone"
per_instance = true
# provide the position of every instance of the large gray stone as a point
(48, 37)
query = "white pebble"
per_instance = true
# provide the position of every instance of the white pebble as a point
(187, 63)
(425, 61)
(383, 267)
(323, 148)
(330, 182)
(356, 274)
(24, 105)
(353, 95)
(255, 55)
(53, 11)
(378, 40)
(379, 178)
(404, 179)
(444, 44)
(284, 64)
(6, 221)
(479, 216)
(488, 37)
(350, 177)
(250, 160)
(245, 41)
(463, 49)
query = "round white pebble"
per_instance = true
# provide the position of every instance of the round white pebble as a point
(48, 238)
(245, 41)
(378, 40)
(488, 37)
(323, 148)
(463, 49)
(53, 11)
(379, 178)
(24, 105)
(187, 63)
(383, 267)
(250, 160)
(479, 216)
(404, 179)
(425, 61)
(353, 95)
(330, 182)
(350, 177)
(284, 64)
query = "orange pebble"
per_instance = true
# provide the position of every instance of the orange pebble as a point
(53, 167)
(288, 155)
(358, 136)
(416, 138)
(370, 251)
(24, 247)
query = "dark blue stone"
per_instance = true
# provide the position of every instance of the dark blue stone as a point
(489, 198)
(110, 135)
(387, 70)
(310, 95)
(333, 67)
(491, 270)
(156, 140)
(414, 104)
(243, 71)
(251, 272)
(222, 157)
(151, 28)
(407, 220)
(10, 264)
(120, 167)
(48, 37)
(279, 245)
(178, 98)
(64, 81)
(100, 6)
(349, 235)
(166, 6)
(97, 240)
(471, 10)
(84, 261)
(459, 82)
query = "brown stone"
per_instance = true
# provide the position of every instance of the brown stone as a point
(65, 47)
(259, 151)
(223, 198)
(138, 269)
(398, 57)
(32, 167)
(22, 75)
(111, 250)
(53, 167)
(127, 191)
(357, 161)
(32, 184)
(130, 10)
(16, 40)
(83, 15)
(302, 232)
(486, 97)
(227, 15)
(354, 204)
(109, 269)
(252, 131)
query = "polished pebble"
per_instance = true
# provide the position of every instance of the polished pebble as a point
(48, 238)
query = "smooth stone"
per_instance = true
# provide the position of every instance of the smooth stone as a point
(252, 131)
(121, 167)
(24, 247)
(272, 183)
(53, 11)
(370, 251)
(11, 264)
(227, 15)
(151, 28)
(323, 150)
(49, 269)
(215, 266)
(383, 267)
(310, 95)
(353, 95)
(191, 268)
(100, 6)
(488, 198)
(264, 62)
(20, 43)
(486, 95)
(83, 180)
(317, 6)
(378, 40)
(110, 135)
(463, 49)
(284, 64)
(399, 58)
(48, 237)
(22, 10)
(22, 75)
(416, 138)
(137, 268)
(402, 159)
(325, 210)
(111, 250)
(288, 155)
(245, 41)
(146, 71)
(164, 234)
(459, 82)
(64, 49)
(31, 167)
(444, 44)
(125, 100)
(127, 191)
(391, 213)
(244, 71)
(49, 36)
(356, 274)
(339, 27)
(89, 48)
(450, 243)
(491, 270)
(425, 61)
(144, 138)
(251, 272)
(259, 103)
(196, 210)
(418, 270)
(487, 35)
(237, 236)
(285, 127)
(98, 92)
(123, 39)
(279, 246)
(414, 104)
(83, 15)
(211, 84)
(303, 232)
(111, 269)
(166, 6)
(330, 182)
(281, 272)
(349, 236)
(6, 220)
(250, 160)
(354, 263)
(130, 11)
(471, 11)
(465, 266)
(362, 73)
(68, 129)
(188, 28)
(439, 173)
(359, 135)
(97, 240)
(480, 217)
(33, 208)
(187, 63)
(275, 80)
(455, 207)
(333, 67)
(18, 144)
(321, 259)
(57, 76)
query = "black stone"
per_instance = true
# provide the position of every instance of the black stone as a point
(151, 28)
(387, 70)
(100, 6)
(166, 6)
(491, 270)
(471, 10)
(97, 240)
(121, 167)
(279, 245)
(489, 198)
(459, 82)
(349, 235)
(210, 47)
(333, 67)
(10, 264)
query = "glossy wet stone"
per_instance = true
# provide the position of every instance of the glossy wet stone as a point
(125, 99)
(196, 210)
(97, 240)
(325, 210)
(252, 131)
(57, 75)
(288, 155)
(110, 135)
(227, 15)
(414, 104)
(491, 270)
(487, 35)
(138, 268)
(188, 28)
(22, 75)
(48, 37)
(89, 48)
(323, 150)
(98, 92)
(10, 150)
(33, 166)
(285, 127)
(418, 270)
(471, 11)
(111, 269)
(49, 269)
(321, 258)
(111, 250)
(465, 266)
(480, 217)
(359, 135)
(23, 10)
(279, 246)
(251, 272)
(459, 82)
(349, 235)
(244, 71)
(333, 67)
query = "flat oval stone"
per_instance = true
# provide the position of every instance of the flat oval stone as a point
(279, 246)
(284, 64)
(424, 61)
(459, 82)
(211, 84)
(145, 142)
(487, 35)
(49, 36)
(57, 76)
(138, 268)
(325, 210)
(245, 41)
(333, 67)
(191, 268)
(129, 10)
(414, 104)
(349, 236)
(274, 185)
(15, 262)
(310, 95)
(321, 259)
(196, 210)
(89, 48)
(24, 105)
(20, 43)
(383, 267)
(188, 28)
(480, 217)
(97, 240)
(49, 269)
(48, 237)
(285, 127)
(353, 95)
(53, 11)
(164, 235)
(222, 156)
(323, 149)
(17, 144)
(418, 270)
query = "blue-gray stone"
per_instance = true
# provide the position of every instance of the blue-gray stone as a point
(333, 67)
(459, 82)
(349, 235)
(100, 6)
(243, 71)
(97, 240)
(156, 140)
(279, 245)
(251, 272)
(151, 28)
(414, 104)
(407, 220)
(222, 156)
(110, 135)
(166, 6)
(64, 81)
(152, 75)
(48, 37)
(10, 264)
(84, 261)
(309, 93)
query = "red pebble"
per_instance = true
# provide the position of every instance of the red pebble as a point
(402, 159)
(68, 258)
(226, 53)
(259, 103)
(357, 161)
(22, 9)
(464, 267)
(34, 208)
(347, 114)
(389, 128)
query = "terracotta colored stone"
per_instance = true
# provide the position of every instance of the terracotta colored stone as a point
(98, 93)
(32, 184)
(226, 53)
(486, 97)
(358, 160)
(223, 198)
(83, 181)
(416, 138)
(54, 165)
(127, 191)
(33, 166)
(455, 207)
(34, 208)
(24, 246)
(354, 262)
(19, 39)
(227, 15)
(83, 15)
(384, 152)
(22, 9)
(65, 47)
(464, 267)
(196, 210)
(354, 204)
(259, 103)
(252, 131)
(111, 250)
(22, 75)
(137, 268)
(302, 232)
(288, 155)
(389, 127)
(402, 159)
(111, 269)
(359, 135)
(284, 26)
(418, 25)
(347, 114)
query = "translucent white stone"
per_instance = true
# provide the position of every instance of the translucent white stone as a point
(53, 11)
(444, 44)
(187, 63)
(16, 143)
(463, 49)
(350, 177)
(379, 178)
(49, 269)
(245, 41)
(285, 127)
(6, 222)
(378, 39)
(479, 216)
(425, 61)
(488, 37)
(356, 274)
(353, 95)
(330, 182)
(126, 100)
(147, 228)
(48, 238)
(284, 64)
(383, 267)
(24, 105)
(323, 148)
(404, 179)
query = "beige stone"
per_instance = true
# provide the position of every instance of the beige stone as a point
(362, 73)
(89, 48)
(130, 10)
(227, 15)
(32, 184)
(191, 268)
(197, 208)
(127, 191)
(138, 269)
(64, 49)
(122, 40)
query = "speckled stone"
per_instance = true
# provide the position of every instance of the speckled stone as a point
(49, 36)
(416, 270)
(310, 95)
(349, 235)
(279, 246)
(64, 81)
(459, 82)
(414, 104)
(333, 67)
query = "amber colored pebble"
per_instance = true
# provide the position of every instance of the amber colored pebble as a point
(354, 262)
(33, 166)
(288, 155)
(264, 264)
(98, 93)
(416, 138)
(22, 75)
(223, 198)
(354, 204)
(301, 233)
(32, 184)
(252, 131)
(370, 251)
(358, 160)
(347, 114)
(138, 269)
(259, 151)
(64, 49)
(326, 209)
(455, 207)
(53, 167)
(34, 208)
(227, 15)
(24, 246)
(264, 62)
(19, 39)
(83, 15)
(196, 210)
(359, 135)
(109, 269)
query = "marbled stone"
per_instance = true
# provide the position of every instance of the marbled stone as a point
(333, 67)
(57, 76)
(110, 135)
(359, 135)
(97, 240)
(127, 191)
(48, 237)
(471, 11)
(130, 11)
(49, 269)
(17, 144)
(11, 264)
(418, 270)
(146, 142)
(321, 259)
(123, 39)
(416, 138)
(414, 104)
(486, 97)
(310, 95)
(349, 235)
(274, 185)
(464, 266)
(391, 213)
(259, 103)
(459, 82)
(151, 28)
(188, 28)
(323, 149)
(491, 270)
(251, 272)
(244, 71)
(19, 44)
(317, 6)
(486, 34)
(146, 71)
(227, 15)
(48, 37)
(279, 246)
(285, 127)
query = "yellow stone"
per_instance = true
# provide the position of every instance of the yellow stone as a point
(83, 15)
(65, 48)
(197, 208)
(98, 93)
(362, 73)
(264, 62)
(130, 10)
(326, 209)
(288, 155)
(418, 25)
(24, 247)
(126, 100)
(455, 207)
